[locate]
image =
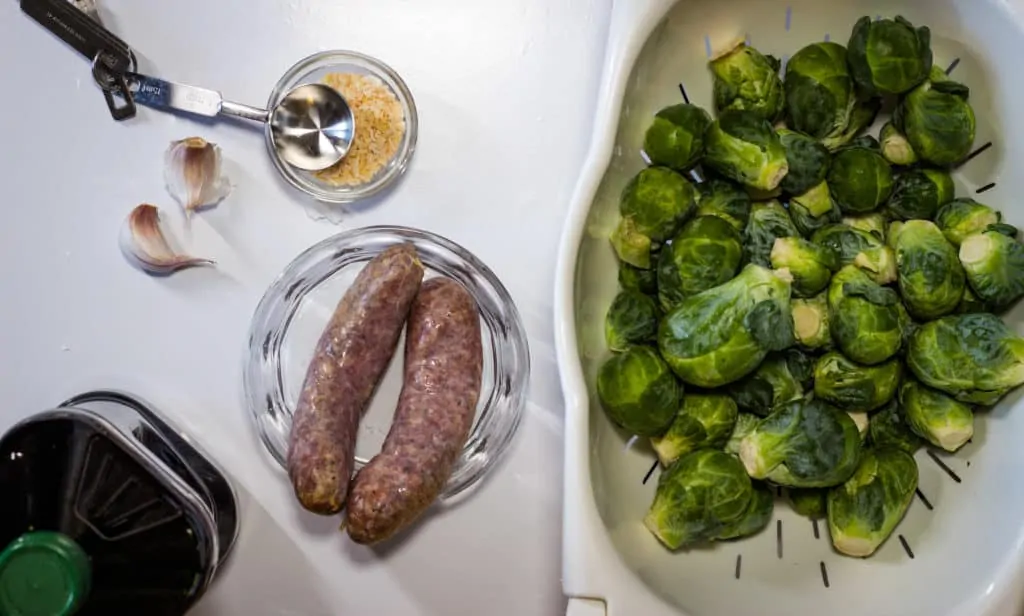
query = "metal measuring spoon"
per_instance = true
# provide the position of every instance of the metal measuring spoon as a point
(311, 127)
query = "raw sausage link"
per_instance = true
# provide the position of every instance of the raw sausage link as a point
(351, 357)
(443, 369)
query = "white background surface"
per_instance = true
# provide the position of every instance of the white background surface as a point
(505, 92)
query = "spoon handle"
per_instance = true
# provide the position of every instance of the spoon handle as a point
(161, 94)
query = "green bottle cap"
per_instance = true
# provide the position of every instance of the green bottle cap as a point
(43, 574)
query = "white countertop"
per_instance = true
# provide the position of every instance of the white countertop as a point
(506, 96)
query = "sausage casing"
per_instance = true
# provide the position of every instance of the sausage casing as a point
(351, 357)
(436, 408)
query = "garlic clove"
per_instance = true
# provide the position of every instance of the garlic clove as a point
(194, 175)
(144, 244)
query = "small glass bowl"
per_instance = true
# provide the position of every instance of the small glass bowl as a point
(312, 70)
(295, 309)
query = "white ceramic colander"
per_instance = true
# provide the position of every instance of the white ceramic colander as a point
(959, 548)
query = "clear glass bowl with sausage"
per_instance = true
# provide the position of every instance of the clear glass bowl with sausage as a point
(297, 308)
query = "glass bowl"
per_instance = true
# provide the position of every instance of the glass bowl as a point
(312, 70)
(295, 309)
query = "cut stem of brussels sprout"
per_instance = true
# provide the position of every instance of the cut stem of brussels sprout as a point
(860, 418)
(879, 263)
(895, 147)
(703, 422)
(935, 417)
(865, 510)
(631, 319)
(631, 246)
(638, 391)
(995, 268)
(811, 322)
(768, 222)
(962, 217)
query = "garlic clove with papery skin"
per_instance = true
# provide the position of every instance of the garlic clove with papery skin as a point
(194, 175)
(144, 244)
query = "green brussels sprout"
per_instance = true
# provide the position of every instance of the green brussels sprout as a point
(853, 387)
(770, 385)
(744, 147)
(938, 120)
(698, 497)
(995, 267)
(812, 321)
(756, 518)
(659, 201)
(888, 428)
(876, 224)
(970, 303)
(630, 245)
(801, 366)
(808, 502)
(919, 193)
(861, 117)
(802, 444)
(819, 91)
(768, 222)
(808, 162)
(675, 138)
(723, 334)
(745, 424)
(879, 264)
(813, 210)
(860, 248)
(638, 391)
(640, 280)
(930, 277)
(962, 217)
(631, 319)
(889, 56)
(810, 264)
(705, 254)
(860, 179)
(866, 324)
(746, 80)
(703, 422)
(935, 417)
(895, 147)
(975, 358)
(722, 198)
(865, 510)
(861, 420)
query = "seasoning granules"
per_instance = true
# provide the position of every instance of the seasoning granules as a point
(380, 127)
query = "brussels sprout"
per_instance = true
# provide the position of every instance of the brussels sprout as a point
(745, 424)
(722, 198)
(889, 56)
(866, 324)
(862, 116)
(810, 264)
(698, 497)
(930, 277)
(919, 193)
(676, 136)
(703, 422)
(895, 147)
(962, 217)
(744, 147)
(630, 245)
(705, 254)
(744, 79)
(812, 321)
(865, 510)
(975, 358)
(876, 224)
(768, 222)
(888, 428)
(756, 518)
(721, 335)
(860, 180)
(640, 280)
(801, 366)
(808, 502)
(819, 91)
(935, 417)
(802, 444)
(970, 303)
(860, 248)
(659, 201)
(861, 420)
(995, 267)
(938, 120)
(879, 264)
(770, 385)
(631, 319)
(813, 210)
(808, 162)
(852, 387)
(638, 391)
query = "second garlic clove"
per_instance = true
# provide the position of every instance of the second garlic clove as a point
(194, 174)
(144, 244)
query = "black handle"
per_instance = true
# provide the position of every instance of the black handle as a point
(87, 36)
